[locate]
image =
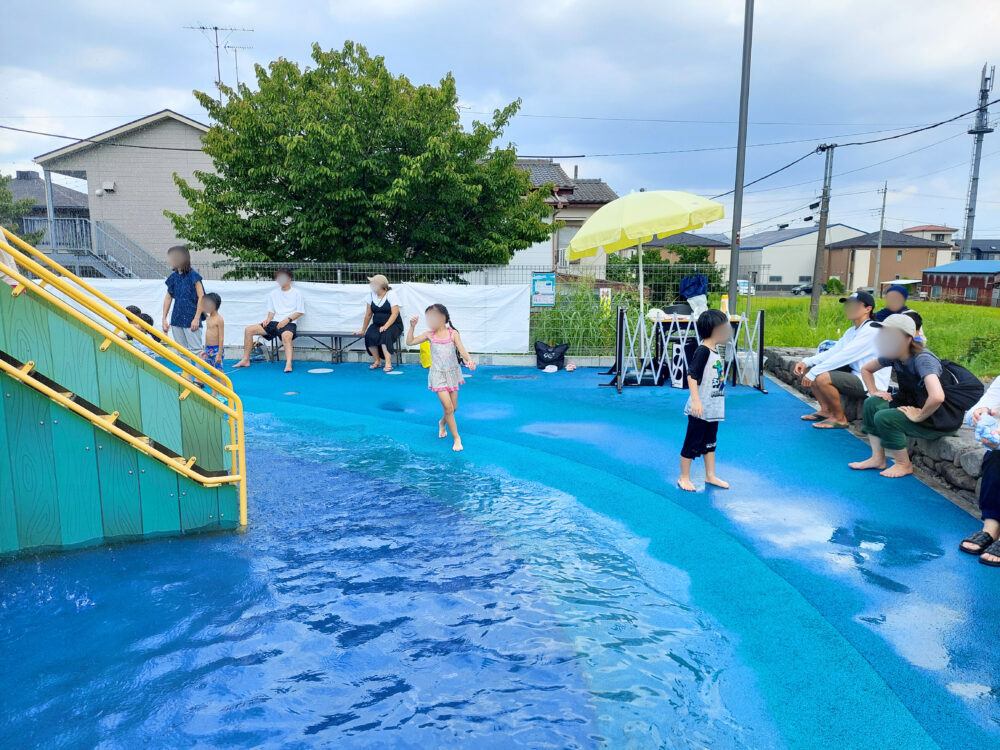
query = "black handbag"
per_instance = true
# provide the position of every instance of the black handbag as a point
(546, 354)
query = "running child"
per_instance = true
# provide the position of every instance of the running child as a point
(706, 403)
(445, 374)
(184, 292)
(215, 329)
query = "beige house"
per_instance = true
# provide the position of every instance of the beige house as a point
(130, 181)
(575, 200)
(937, 233)
(903, 256)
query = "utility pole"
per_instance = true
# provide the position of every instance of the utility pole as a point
(978, 130)
(741, 153)
(820, 263)
(236, 60)
(218, 61)
(878, 253)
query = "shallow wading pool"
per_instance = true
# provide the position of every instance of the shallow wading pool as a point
(548, 587)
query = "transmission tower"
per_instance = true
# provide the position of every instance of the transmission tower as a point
(978, 130)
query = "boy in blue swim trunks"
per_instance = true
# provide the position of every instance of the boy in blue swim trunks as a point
(215, 329)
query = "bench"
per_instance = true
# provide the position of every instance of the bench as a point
(336, 342)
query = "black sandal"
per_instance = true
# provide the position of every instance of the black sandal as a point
(993, 549)
(981, 539)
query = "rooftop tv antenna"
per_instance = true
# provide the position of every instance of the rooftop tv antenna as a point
(236, 59)
(218, 63)
(980, 128)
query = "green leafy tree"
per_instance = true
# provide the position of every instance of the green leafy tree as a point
(834, 286)
(663, 279)
(344, 161)
(11, 211)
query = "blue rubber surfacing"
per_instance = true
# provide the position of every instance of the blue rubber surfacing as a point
(847, 595)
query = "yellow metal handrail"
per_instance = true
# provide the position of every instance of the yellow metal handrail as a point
(107, 423)
(53, 267)
(64, 281)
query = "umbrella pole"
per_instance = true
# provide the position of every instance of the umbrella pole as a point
(642, 310)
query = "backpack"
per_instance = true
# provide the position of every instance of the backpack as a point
(961, 388)
(546, 355)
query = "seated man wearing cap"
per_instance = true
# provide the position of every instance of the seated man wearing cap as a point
(837, 370)
(890, 419)
(895, 302)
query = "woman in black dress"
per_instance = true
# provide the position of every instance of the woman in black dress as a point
(383, 325)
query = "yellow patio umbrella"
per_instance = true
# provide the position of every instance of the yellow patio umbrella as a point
(639, 217)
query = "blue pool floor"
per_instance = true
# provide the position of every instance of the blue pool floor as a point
(831, 608)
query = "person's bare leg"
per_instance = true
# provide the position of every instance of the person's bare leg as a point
(992, 527)
(829, 399)
(684, 482)
(449, 418)
(387, 358)
(248, 333)
(442, 425)
(286, 341)
(822, 410)
(901, 465)
(710, 477)
(376, 362)
(877, 461)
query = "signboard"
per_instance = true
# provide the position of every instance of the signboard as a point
(606, 298)
(543, 290)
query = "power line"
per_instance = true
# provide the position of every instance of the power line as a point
(92, 140)
(771, 174)
(664, 120)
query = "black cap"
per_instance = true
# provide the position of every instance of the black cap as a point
(863, 297)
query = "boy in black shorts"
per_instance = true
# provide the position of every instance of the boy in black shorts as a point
(706, 403)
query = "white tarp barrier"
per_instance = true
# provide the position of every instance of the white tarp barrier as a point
(491, 318)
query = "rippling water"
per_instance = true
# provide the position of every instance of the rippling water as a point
(379, 600)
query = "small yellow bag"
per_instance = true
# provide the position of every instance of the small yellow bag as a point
(425, 355)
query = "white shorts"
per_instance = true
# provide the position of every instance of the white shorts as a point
(186, 338)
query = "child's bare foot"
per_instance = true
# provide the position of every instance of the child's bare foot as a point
(871, 463)
(898, 470)
(442, 429)
(717, 482)
(457, 446)
(685, 484)
(242, 363)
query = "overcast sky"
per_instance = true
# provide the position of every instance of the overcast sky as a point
(622, 77)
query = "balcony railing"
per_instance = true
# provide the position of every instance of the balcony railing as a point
(71, 235)
(119, 255)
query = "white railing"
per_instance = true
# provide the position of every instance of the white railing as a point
(119, 255)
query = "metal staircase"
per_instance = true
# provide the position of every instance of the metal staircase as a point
(107, 249)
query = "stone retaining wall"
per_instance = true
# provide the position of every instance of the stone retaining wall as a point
(952, 462)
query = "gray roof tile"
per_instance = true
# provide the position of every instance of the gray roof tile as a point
(889, 239)
(29, 184)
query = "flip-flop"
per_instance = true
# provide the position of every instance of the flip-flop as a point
(828, 425)
(981, 539)
(388, 368)
(993, 549)
(374, 366)
(815, 417)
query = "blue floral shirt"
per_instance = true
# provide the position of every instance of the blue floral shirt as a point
(181, 286)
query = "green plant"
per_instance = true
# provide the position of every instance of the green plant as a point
(579, 319)
(11, 211)
(344, 161)
(834, 286)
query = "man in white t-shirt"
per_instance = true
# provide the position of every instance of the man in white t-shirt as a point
(285, 305)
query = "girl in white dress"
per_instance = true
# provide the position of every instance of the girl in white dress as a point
(445, 374)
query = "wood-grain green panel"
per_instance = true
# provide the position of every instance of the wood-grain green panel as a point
(26, 331)
(161, 409)
(229, 506)
(32, 460)
(200, 432)
(199, 505)
(8, 517)
(160, 502)
(118, 382)
(74, 357)
(76, 477)
(119, 472)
